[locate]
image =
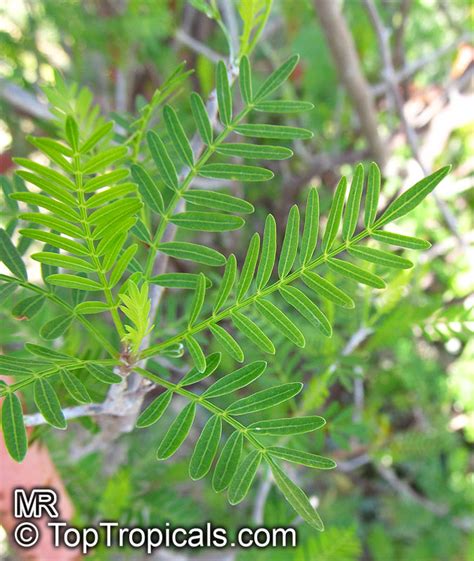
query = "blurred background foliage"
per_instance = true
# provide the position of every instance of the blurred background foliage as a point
(396, 381)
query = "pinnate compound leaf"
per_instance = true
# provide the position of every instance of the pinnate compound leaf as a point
(48, 404)
(248, 269)
(235, 172)
(155, 410)
(255, 151)
(201, 118)
(206, 448)
(277, 78)
(372, 195)
(207, 221)
(177, 432)
(162, 160)
(226, 340)
(351, 214)
(301, 457)
(281, 322)
(56, 327)
(236, 380)
(335, 214)
(251, 330)
(289, 248)
(13, 427)
(219, 201)
(355, 272)
(148, 189)
(311, 227)
(306, 308)
(178, 136)
(228, 462)
(380, 257)
(327, 290)
(412, 197)
(273, 132)
(289, 426)
(296, 497)
(224, 96)
(243, 477)
(193, 252)
(400, 240)
(10, 256)
(75, 387)
(265, 399)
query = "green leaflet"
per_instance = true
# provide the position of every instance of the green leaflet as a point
(224, 97)
(207, 221)
(309, 240)
(219, 201)
(201, 118)
(103, 374)
(284, 106)
(193, 252)
(235, 172)
(245, 80)
(48, 354)
(75, 387)
(281, 322)
(117, 224)
(196, 353)
(14, 432)
(327, 290)
(400, 240)
(65, 261)
(15, 365)
(178, 136)
(104, 180)
(48, 404)
(10, 257)
(52, 148)
(273, 131)
(243, 477)
(289, 248)
(195, 375)
(248, 269)
(236, 380)
(6, 290)
(162, 160)
(269, 247)
(412, 197)
(355, 273)
(72, 132)
(228, 342)
(56, 241)
(380, 257)
(155, 410)
(372, 196)
(265, 399)
(251, 330)
(122, 265)
(178, 280)
(141, 231)
(301, 457)
(56, 327)
(96, 137)
(335, 214)
(296, 497)
(28, 307)
(206, 448)
(91, 307)
(228, 462)
(54, 223)
(104, 159)
(306, 308)
(148, 189)
(285, 427)
(56, 191)
(120, 209)
(177, 432)
(255, 151)
(46, 172)
(198, 300)
(276, 78)
(351, 214)
(74, 281)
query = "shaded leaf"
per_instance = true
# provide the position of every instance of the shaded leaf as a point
(251, 330)
(148, 189)
(224, 97)
(74, 281)
(13, 428)
(290, 426)
(193, 252)
(155, 410)
(281, 322)
(219, 201)
(162, 160)
(301, 457)
(177, 432)
(400, 240)
(228, 462)
(354, 272)
(248, 269)
(351, 214)
(380, 257)
(75, 387)
(236, 380)
(206, 448)
(265, 399)
(273, 131)
(243, 477)
(289, 248)
(207, 221)
(10, 257)
(103, 374)
(255, 151)
(306, 308)
(327, 290)
(196, 353)
(48, 404)
(228, 342)
(178, 280)
(56, 327)
(335, 214)
(372, 195)
(201, 118)
(276, 78)
(178, 136)
(311, 227)
(235, 172)
(284, 106)
(269, 247)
